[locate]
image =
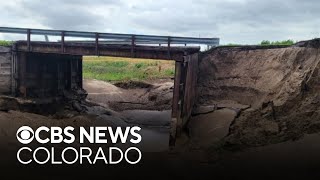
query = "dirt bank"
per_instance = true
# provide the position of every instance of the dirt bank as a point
(155, 125)
(281, 85)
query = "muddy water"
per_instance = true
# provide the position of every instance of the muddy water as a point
(209, 128)
(155, 127)
(154, 139)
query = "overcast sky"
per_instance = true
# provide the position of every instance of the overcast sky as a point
(234, 21)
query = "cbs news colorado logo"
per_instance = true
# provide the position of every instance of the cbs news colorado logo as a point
(25, 135)
(95, 135)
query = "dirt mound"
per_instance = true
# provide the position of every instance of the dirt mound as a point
(133, 85)
(132, 95)
(281, 84)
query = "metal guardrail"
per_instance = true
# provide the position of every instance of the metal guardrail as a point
(114, 37)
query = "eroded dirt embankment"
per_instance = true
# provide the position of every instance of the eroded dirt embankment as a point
(281, 85)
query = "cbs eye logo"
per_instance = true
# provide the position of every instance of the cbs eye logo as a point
(25, 134)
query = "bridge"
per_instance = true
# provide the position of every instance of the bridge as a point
(110, 44)
(42, 69)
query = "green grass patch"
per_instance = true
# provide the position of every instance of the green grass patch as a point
(169, 72)
(5, 43)
(125, 69)
(288, 42)
(139, 65)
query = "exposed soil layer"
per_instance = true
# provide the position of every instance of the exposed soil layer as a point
(281, 85)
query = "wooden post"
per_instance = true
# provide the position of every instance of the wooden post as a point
(14, 58)
(189, 79)
(29, 39)
(97, 44)
(169, 44)
(62, 41)
(58, 76)
(80, 72)
(176, 106)
(70, 73)
(133, 38)
(22, 59)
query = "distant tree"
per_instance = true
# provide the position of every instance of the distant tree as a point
(265, 43)
(284, 42)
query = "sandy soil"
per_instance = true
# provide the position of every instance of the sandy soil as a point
(140, 103)
(154, 124)
(132, 95)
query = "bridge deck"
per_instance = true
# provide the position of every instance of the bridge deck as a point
(136, 51)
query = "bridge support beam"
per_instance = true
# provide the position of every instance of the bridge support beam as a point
(133, 50)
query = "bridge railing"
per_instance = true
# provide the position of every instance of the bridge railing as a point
(133, 38)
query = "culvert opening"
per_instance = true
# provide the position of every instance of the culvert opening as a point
(139, 90)
(129, 84)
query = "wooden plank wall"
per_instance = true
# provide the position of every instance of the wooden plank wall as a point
(5, 70)
(184, 94)
(190, 87)
(48, 75)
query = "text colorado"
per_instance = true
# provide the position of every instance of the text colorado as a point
(94, 135)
